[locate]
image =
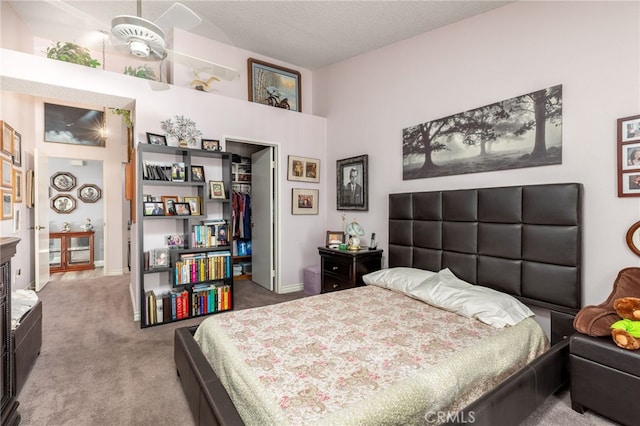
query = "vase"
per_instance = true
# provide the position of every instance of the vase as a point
(183, 143)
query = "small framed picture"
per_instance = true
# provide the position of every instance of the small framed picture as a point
(629, 156)
(197, 174)
(7, 173)
(334, 239)
(160, 258)
(7, 204)
(352, 187)
(177, 172)
(194, 205)
(155, 139)
(6, 138)
(176, 241)
(629, 128)
(216, 189)
(182, 209)
(17, 186)
(303, 169)
(89, 193)
(168, 203)
(211, 145)
(153, 208)
(63, 181)
(17, 149)
(304, 201)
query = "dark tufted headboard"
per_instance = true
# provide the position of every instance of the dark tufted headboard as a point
(521, 240)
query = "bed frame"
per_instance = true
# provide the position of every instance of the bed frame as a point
(521, 240)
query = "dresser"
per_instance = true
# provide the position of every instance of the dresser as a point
(9, 405)
(343, 269)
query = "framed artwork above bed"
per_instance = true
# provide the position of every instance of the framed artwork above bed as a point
(629, 156)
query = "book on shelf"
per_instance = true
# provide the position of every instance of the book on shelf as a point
(192, 268)
(211, 233)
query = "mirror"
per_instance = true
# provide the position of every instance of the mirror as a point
(633, 238)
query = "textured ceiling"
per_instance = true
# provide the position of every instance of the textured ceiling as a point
(308, 34)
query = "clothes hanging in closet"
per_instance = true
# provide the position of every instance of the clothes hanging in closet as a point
(241, 215)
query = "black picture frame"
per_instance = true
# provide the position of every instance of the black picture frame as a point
(352, 197)
(182, 209)
(153, 208)
(197, 174)
(155, 139)
(211, 145)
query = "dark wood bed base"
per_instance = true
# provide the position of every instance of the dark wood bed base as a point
(530, 234)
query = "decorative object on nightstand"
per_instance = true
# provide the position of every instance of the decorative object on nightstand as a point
(343, 269)
(354, 231)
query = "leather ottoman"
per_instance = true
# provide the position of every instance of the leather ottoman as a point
(604, 378)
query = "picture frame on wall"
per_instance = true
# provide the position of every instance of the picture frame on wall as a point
(63, 203)
(75, 126)
(6, 173)
(63, 181)
(17, 149)
(7, 204)
(628, 129)
(352, 188)
(17, 186)
(303, 169)
(89, 193)
(6, 138)
(304, 201)
(273, 85)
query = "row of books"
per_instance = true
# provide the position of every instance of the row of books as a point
(191, 268)
(169, 172)
(210, 234)
(179, 304)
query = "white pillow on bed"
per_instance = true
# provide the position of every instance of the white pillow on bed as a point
(446, 291)
(398, 279)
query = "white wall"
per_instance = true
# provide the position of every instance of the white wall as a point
(591, 48)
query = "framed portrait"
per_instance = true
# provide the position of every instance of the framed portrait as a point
(178, 172)
(211, 145)
(155, 139)
(7, 204)
(273, 85)
(176, 241)
(628, 156)
(304, 201)
(63, 181)
(160, 258)
(303, 169)
(89, 193)
(197, 174)
(63, 203)
(169, 204)
(17, 186)
(216, 190)
(71, 125)
(182, 209)
(194, 205)
(17, 149)
(6, 138)
(334, 239)
(7, 173)
(352, 187)
(153, 208)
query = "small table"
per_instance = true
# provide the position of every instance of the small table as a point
(343, 269)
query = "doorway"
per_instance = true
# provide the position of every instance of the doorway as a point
(255, 248)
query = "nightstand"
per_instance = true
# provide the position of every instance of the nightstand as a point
(343, 269)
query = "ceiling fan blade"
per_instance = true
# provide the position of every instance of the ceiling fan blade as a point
(200, 65)
(78, 17)
(178, 16)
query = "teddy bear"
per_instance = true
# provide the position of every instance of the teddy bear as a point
(626, 332)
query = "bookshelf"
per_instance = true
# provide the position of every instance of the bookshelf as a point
(183, 233)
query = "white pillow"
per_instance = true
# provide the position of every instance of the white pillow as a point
(399, 279)
(444, 290)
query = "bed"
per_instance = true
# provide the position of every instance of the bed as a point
(521, 240)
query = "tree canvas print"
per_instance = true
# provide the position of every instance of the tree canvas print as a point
(525, 131)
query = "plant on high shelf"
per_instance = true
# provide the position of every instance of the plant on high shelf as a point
(73, 53)
(183, 129)
(143, 71)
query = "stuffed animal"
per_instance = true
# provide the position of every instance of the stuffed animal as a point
(626, 332)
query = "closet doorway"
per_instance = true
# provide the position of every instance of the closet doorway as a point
(255, 246)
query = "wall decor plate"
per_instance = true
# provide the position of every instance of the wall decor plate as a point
(63, 181)
(63, 203)
(89, 193)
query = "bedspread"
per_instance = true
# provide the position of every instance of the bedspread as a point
(361, 356)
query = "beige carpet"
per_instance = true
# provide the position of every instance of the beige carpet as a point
(97, 367)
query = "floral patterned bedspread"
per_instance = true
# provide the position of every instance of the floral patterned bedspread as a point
(361, 356)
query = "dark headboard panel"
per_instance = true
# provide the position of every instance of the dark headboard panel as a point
(521, 240)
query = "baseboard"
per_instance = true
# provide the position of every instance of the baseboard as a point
(291, 288)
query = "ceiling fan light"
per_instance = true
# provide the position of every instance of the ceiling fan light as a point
(139, 48)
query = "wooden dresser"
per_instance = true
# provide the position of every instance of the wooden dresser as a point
(9, 405)
(343, 269)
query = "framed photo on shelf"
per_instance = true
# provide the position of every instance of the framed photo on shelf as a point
(274, 85)
(155, 139)
(629, 156)
(303, 169)
(194, 205)
(352, 183)
(153, 208)
(160, 258)
(7, 204)
(334, 239)
(177, 172)
(89, 193)
(6, 138)
(17, 149)
(197, 174)
(216, 189)
(304, 201)
(168, 201)
(176, 241)
(63, 181)
(210, 144)
(182, 209)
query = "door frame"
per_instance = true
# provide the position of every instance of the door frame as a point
(276, 198)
